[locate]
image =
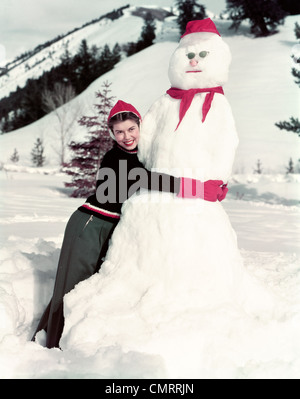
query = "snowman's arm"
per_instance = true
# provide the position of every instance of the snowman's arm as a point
(149, 130)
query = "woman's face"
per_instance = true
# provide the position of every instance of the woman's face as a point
(127, 134)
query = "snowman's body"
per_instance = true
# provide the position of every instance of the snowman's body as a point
(173, 278)
(199, 150)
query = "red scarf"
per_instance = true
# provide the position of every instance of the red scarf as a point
(186, 97)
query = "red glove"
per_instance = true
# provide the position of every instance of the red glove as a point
(211, 190)
(224, 192)
(215, 190)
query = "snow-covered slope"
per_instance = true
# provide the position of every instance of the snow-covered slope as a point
(125, 29)
(261, 91)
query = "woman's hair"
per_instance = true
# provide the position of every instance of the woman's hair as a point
(121, 117)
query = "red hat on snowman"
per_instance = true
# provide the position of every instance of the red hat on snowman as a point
(198, 26)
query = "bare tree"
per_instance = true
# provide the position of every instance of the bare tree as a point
(53, 101)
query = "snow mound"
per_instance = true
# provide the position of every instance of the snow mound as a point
(204, 319)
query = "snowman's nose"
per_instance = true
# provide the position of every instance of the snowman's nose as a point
(193, 62)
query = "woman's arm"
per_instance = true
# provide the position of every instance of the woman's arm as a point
(210, 190)
(162, 182)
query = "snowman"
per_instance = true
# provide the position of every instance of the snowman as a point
(173, 283)
(192, 124)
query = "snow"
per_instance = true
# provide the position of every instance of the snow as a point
(263, 210)
(34, 212)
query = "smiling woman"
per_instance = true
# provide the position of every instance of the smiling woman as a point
(90, 227)
(126, 134)
(125, 126)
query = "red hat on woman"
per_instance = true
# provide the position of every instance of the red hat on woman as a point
(202, 25)
(121, 106)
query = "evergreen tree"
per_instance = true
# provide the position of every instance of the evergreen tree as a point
(88, 155)
(31, 102)
(15, 156)
(108, 59)
(292, 126)
(264, 15)
(83, 65)
(258, 168)
(294, 123)
(290, 168)
(297, 31)
(290, 6)
(66, 71)
(116, 53)
(189, 10)
(148, 31)
(146, 39)
(37, 156)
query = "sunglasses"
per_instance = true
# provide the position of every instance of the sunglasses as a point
(202, 54)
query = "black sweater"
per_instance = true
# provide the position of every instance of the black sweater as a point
(121, 174)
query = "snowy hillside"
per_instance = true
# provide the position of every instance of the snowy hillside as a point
(99, 33)
(261, 91)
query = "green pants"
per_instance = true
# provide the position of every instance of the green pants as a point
(85, 244)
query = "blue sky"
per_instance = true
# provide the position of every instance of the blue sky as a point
(26, 23)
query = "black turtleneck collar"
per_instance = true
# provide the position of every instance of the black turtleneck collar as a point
(134, 151)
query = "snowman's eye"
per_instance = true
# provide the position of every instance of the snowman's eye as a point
(203, 54)
(191, 56)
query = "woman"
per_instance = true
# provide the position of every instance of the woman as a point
(90, 227)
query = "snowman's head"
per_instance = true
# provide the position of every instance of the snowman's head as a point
(201, 60)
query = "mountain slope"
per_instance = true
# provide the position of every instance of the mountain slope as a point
(121, 26)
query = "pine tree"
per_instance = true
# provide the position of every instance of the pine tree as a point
(290, 6)
(297, 31)
(258, 168)
(66, 71)
(146, 39)
(264, 15)
(294, 123)
(189, 10)
(37, 156)
(148, 31)
(15, 156)
(31, 102)
(108, 59)
(290, 168)
(83, 64)
(292, 126)
(116, 53)
(88, 155)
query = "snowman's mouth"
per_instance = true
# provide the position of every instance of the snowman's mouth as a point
(193, 71)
